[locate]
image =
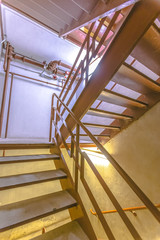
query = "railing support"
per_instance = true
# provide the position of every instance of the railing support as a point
(77, 157)
(104, 185)
(51, 119)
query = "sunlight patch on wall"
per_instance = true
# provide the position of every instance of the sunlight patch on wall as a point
(97, 158)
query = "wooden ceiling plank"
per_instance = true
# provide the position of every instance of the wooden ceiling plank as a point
(86, 6)
(62, 17)
(31, 14)
(69, 7)
(46, 12)
(101, 10)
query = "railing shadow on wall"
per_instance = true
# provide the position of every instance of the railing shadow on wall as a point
(81, 157)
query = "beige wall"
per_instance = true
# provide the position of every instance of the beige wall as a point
(137, 150)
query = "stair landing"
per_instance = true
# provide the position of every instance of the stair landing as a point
(69, 231)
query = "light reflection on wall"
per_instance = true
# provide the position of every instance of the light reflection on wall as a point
(97, 158)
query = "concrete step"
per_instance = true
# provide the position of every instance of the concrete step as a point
(22, 212)
(28, 158)
(17, 144)
(31, 178)
(69, 231)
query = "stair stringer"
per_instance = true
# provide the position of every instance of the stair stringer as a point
(76, 213)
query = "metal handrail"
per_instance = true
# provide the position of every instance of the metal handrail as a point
(119, 169)
(82, 67)
(130, 209)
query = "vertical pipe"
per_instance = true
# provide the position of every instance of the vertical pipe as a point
(1, 24)
(3, 153)
(82, 167)
(9, 104)
(5, 58)
(72, 146)
(5, 90)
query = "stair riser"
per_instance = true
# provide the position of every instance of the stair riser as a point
(26, 167)
(30, 191)
(30, 183)
(18, 152)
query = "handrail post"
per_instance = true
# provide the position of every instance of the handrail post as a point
(82, 167)
(87, 59)
(77, 157)
(72, 146)
(51, 118)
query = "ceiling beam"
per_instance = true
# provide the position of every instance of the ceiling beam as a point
(101, 10)
(86, 6)
(69, 8)
(54, 29)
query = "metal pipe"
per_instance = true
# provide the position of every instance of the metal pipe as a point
(27, 60)
(9, 104)
(39, 64)
(5, 88)
(36, 63)
(34, 79)
(5, 58)
(1, 24)
(124, 209)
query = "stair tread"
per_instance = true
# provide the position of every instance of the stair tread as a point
(94, 125)
(24, 211)
(31, 178)
(71, 231)
(24, 145)
(23, 158)
(121, 100)
(107, 114)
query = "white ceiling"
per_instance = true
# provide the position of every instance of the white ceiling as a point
(32, 40)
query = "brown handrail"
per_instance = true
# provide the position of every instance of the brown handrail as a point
(73, 67)
(124, 175)
(58, 117)
(90, 49)
(124, 209)
(86, 58)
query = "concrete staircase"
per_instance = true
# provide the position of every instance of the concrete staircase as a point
(69, 231)
(32, 199)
